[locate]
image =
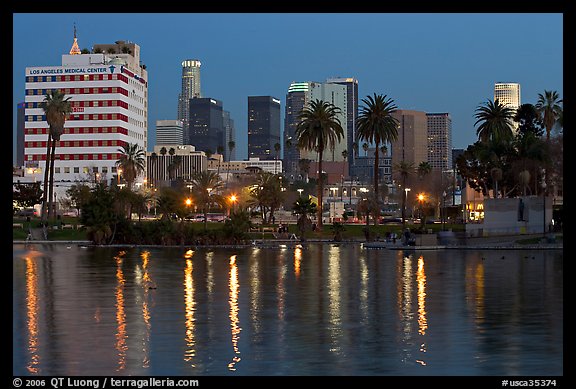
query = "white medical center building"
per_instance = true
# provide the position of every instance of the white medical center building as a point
(108, 90)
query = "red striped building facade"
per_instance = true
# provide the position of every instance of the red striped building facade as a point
(109, 98)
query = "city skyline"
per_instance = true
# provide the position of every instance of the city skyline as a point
(444, 63)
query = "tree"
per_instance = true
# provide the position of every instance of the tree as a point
(204, 186)
(304, 207)
(98, 214)
(495, 121)
(550, 109)
(79, 194)
(319, 128)
(175, 163)
(368, 206)
(267, 194)
(304, 167)
(132, 162)
(404, 169)
(375, 124)
(27, 194)
(56, 107)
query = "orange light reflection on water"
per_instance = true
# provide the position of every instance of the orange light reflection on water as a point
(190, 306)
(121, 333)
(234, 319)
(32, 308)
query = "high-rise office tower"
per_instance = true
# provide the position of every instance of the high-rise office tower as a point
(439, 140)
(508, 93)
(206, 125)
(352, 112)
(108, 91)
(169, 132)
(300, 94)
(263, 126)
(412, 142)
(190, 90)
(229, 135)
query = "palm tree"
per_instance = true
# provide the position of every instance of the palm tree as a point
(404, 169)
(57, 108)
(304, 167)
(319, 128)
(304, 207)
(132, 161)
(344, 156)
(548, 106)
(173, 166)
(495, 121)
(376, 124)
(365, 147)
(205, 184)
(153, 163)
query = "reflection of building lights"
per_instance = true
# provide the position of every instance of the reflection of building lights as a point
(421, 280)
(121, 333)
(234, 318)
(190, 309)
(297, 259)
(32, 307)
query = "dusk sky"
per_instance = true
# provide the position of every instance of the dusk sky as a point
(431, 62)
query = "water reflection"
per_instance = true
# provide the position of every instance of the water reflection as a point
(190, 309)
(312, 310)
(335, 314)
(421, 279)
(234, 319)
(422, 322)
(147, 284)
(297, 259)
(32, 308)
(121, 334)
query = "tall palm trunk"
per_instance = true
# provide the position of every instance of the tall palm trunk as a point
(376, 171)
(320, 189)
(46, 178)
(51, 212)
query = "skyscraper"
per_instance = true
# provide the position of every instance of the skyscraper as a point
(439, 140)
(300, 94)
(206, 125)
(508, 93)
(263, 126)
(190, 89)
(412, 142)
(229, 135)
(352, 112)
(169, 132)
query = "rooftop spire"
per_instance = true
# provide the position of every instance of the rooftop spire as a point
(75, 49)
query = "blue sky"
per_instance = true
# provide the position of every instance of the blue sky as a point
(432, 62)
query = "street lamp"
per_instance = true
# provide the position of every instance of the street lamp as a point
(406, 190)
(233, 200)
(421, 198)
(300, 190)
(443, 215)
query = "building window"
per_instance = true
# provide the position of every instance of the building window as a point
(76, 169)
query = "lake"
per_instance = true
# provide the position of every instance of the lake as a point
(318, 309)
